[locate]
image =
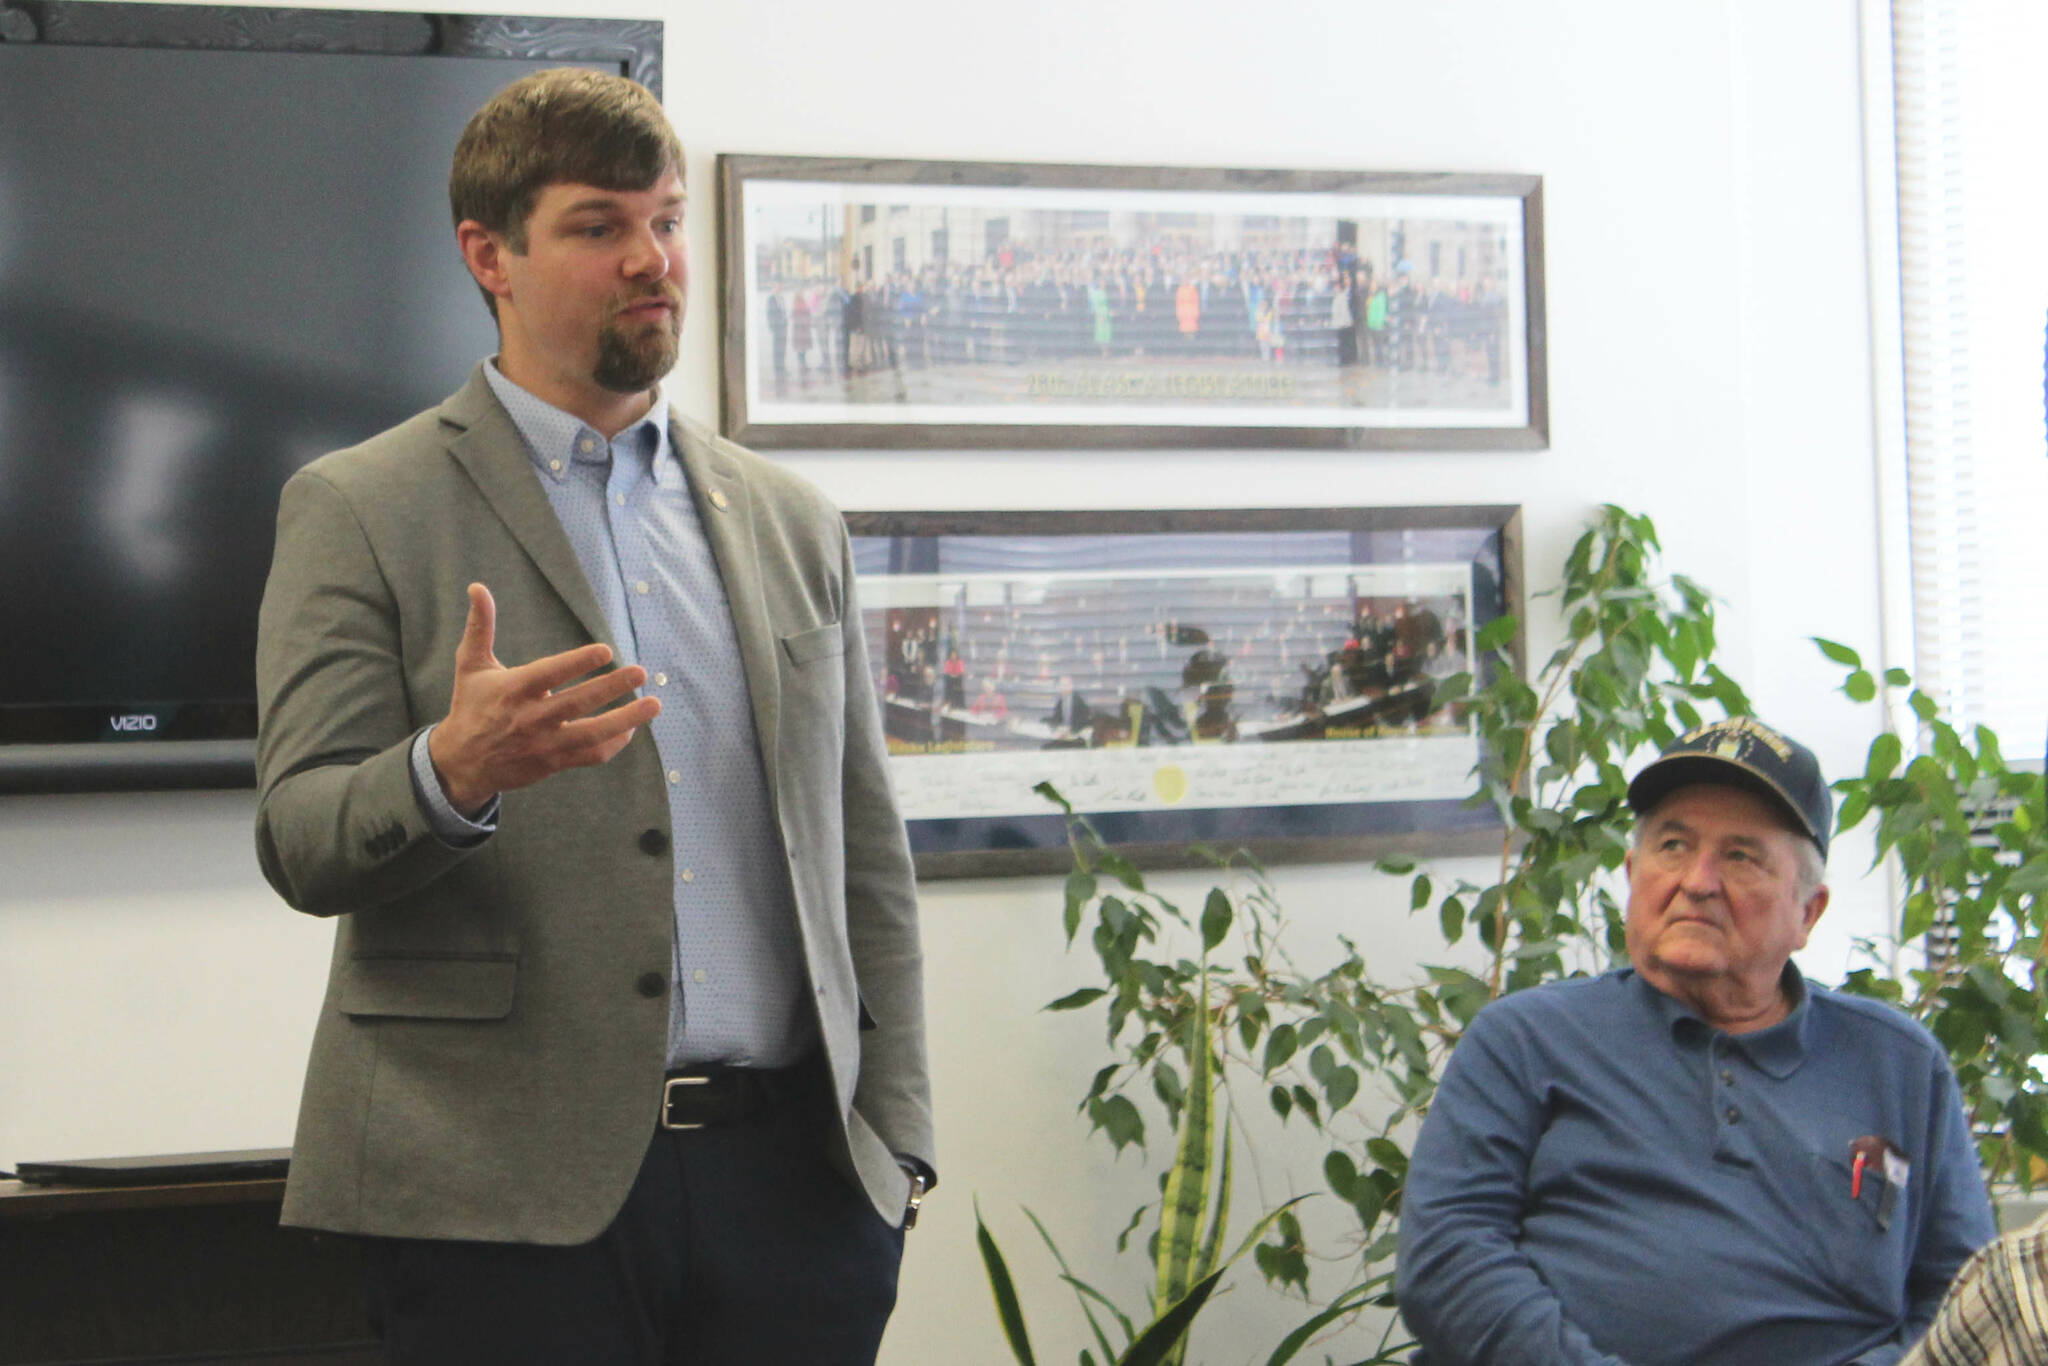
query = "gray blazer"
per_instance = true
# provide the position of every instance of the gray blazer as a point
(489, 1054)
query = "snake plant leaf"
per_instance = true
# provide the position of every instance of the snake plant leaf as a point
(1163, 1339)
(1184, 1208)
(1219, 1223)
(1085, 1292)
(1008, 1310)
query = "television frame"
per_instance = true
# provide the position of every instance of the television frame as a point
(631, 46)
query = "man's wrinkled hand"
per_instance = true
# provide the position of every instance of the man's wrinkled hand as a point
(508, 728)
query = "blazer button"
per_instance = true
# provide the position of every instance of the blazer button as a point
(653, 842)
(651, 984)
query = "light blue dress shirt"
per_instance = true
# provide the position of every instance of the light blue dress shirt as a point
(738, 993)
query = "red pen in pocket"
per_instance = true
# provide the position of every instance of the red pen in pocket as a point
(1856, 1175)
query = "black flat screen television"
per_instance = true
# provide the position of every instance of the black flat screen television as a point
(224, 250)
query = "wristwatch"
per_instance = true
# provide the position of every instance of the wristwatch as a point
(917, 1190)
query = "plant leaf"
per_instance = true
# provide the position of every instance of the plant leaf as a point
(1084, 1292)
(1349, 1302)
(1280, 1045)
(1841, 654)
(1183, 1209)
(1216, 918)
(1165, 1332)
(1116, 1116)
(1052, 794)
(1496, 633)
(1074, 1000)
(1005, 1291)
(1080, 891)
(1219, 1223)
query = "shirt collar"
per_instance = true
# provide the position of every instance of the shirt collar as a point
(556, 439)
(1776, 1051)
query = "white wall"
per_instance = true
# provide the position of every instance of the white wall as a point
(1709, 357)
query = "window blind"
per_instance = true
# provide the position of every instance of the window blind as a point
(1969, 98)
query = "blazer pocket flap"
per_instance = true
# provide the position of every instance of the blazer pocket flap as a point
(820, 642)
(430, 988)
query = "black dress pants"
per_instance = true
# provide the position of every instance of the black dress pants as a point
(738, 1246)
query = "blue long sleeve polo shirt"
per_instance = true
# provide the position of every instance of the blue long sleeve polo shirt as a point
(1605, 1178)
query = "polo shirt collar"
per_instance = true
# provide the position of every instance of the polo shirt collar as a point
(1777, 1051)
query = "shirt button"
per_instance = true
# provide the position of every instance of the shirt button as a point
(555, 465)
(650, 984)
(1732, 1115)
(640, 586)
(700, 975)
(675, 775)
(1727, 1077)
(661, 680)
(688, 875)
(586, 445)
(653, 842)
(619, 498)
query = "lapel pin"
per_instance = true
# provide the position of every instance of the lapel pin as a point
(718, 499)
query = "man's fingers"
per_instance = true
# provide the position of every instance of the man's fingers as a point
(595, 739)
(479, 632)
(550, 672)
(566, 704)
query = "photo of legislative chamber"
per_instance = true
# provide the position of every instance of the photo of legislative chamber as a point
(1095, 660)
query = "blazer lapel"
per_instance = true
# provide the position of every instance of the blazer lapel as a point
(725, 508)
(490, 448)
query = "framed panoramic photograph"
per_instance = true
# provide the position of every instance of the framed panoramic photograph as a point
(973, 304)
(1241, 679)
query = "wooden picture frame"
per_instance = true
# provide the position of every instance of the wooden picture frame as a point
(1240, 678)
(925, 304)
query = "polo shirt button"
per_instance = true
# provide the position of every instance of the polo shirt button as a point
(1727, 1076)
(1733, 1115)
(651, 984)
(653, 842)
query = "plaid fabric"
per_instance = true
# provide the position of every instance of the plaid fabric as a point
(1996, 1313)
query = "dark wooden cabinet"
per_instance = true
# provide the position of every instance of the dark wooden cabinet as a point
(200, 1273)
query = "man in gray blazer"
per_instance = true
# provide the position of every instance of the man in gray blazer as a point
(566, 718)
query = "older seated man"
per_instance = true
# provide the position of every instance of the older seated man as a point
(1699, 1158)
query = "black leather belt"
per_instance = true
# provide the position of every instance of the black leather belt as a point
(698, 1097)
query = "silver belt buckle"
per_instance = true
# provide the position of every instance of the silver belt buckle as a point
(667, 1094)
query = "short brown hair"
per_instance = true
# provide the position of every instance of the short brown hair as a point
(565, 125)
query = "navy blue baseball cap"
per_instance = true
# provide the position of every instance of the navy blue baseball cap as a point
(1746, 753)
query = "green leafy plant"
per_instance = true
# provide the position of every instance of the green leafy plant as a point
(1194, 1208)
(1337, 1050)
(1968, 835)
(1353, 1055)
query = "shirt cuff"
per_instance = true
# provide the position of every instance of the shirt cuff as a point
(450, 826)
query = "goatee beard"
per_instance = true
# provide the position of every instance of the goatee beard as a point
(629, 364)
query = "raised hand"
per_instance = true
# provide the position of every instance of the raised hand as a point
(508, 728)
